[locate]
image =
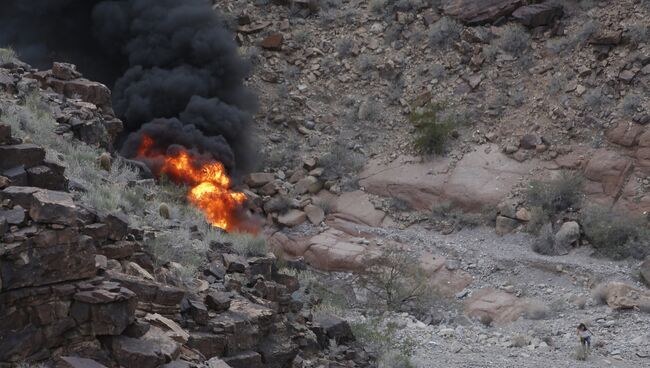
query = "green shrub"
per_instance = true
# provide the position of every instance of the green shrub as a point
(432, 131)
(379, 336)
(556, 195)
(177, 246)
(538, 218)
(615, 234)
(394, 279)
(545, 241)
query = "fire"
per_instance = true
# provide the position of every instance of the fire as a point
(209, 184)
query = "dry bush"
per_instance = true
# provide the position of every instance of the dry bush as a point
(556, 195)
(514, 39)
(394, 278)
(7, 55)
(615, 234)
(444, 32)
(520, 340)
(246, 244)
(599, 294)
(536, 310)
(545, 241)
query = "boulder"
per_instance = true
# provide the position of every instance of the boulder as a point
(609, 171)
(216, 363)
(218, 301)
(292, 218)
(105, 310)
(117, 224)
(16, 176)
(130, 352)
(255, 180)
(53, 207)
(5, 133)
(234, 263)
(568, 234)
(308, 184)
(356, 207)
(644, 270)
(89, 91)
(494, 305)
(26, 154)
(475, 12)
(50, 256)
(315, 214)
(246, 359)
(536, 15)
(76, 362)
(65, 71)
(481, 178)
(14, 216)
(21, 196)
(153, 297)
(530, 141)
(336, 328)
(272, 42)
(169, 327)
(622, 296)
(331, 250)
(625, 134)
(208, 344)
(45, 177)
(505, 225)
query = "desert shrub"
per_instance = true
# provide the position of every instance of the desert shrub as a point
(369, 110)
(344, 47)
(536, 310)
(438, 71)
(394, 279)
(432, 132)
(377, 6)
(615, 234)
(556, 195)
(379, 336)
(556, 84)
(638, 33)
(7, 55)
(284, 155)
(177, 246)
(580, 37)
(599, 294)
(514, 39)
(456, 217)
(247, 244)
(490, 52)
(595, 99)
(341, 161)
(545, 241)
(444, 32)
(301, 36)
(366, 63)
(630, 104)
(520, 340)
(538, 218)
(398, 204)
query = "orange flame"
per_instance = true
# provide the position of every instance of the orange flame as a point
(209, 185)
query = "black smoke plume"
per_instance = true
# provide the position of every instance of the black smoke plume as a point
(173, 66)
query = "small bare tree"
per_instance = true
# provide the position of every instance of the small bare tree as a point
(394, 278)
